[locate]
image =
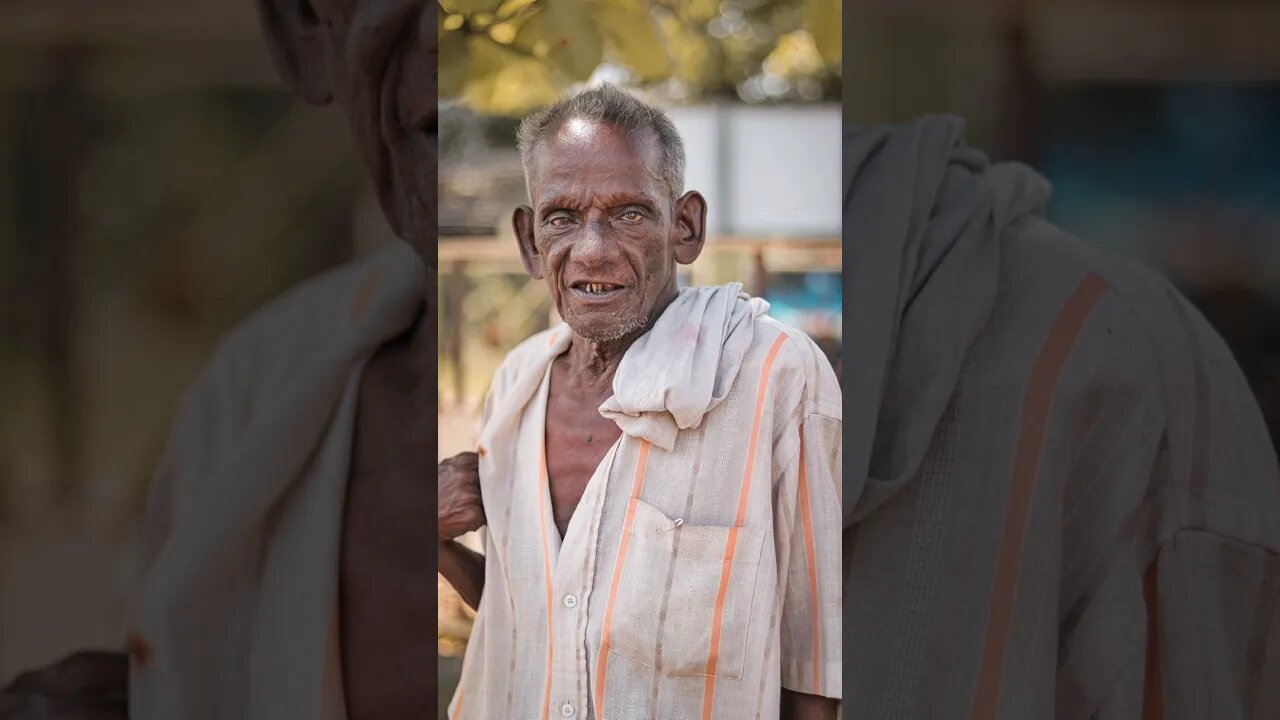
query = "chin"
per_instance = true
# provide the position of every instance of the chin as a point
(615, 327)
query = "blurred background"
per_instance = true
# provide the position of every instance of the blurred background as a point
(1157, 121)
(156, 185)
(754, 88)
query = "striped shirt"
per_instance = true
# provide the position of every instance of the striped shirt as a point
(700, 573)
(1065, 503)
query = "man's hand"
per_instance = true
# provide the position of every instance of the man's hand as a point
(460, 509)
(89, 685)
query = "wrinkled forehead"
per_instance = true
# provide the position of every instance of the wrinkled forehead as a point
(596, 157)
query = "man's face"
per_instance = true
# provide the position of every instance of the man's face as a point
(377, 59)
(603, 229)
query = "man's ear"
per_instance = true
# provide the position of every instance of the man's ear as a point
(522, 223)
(690, 229)
(295, 36)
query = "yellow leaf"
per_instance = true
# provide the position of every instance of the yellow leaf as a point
(795, 55)
(511, 7)
(470, 7)
(504, 33)
(690, 52)
(822, 20)
(454, 64)
(698, 11)
(503, 81)
(566, 35)
(632, 38)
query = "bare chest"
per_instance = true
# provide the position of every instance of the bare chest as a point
(577, 439)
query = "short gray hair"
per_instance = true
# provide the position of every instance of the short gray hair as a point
(608, 105)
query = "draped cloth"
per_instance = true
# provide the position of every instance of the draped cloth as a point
(1060, 498)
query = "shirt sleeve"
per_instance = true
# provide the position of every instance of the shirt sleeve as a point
(811, 520)
(1204, 610)
(1214, 617)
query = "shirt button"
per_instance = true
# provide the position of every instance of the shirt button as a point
(571, 602)
(566, 710)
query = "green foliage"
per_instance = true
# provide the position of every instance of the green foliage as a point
(506, 57)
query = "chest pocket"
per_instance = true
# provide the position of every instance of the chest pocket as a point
(673, 590)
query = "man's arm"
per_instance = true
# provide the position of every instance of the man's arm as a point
(460, 510)
(1212, 591)
(799, 706)
(464, 569)
(88, 684)
(808, 528)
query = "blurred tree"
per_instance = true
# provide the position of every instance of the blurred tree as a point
(507, 57)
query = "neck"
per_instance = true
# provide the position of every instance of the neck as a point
(594, 363)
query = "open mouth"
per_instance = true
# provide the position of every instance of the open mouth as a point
(595, 290)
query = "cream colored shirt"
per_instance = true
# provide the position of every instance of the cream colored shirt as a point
(700, 572)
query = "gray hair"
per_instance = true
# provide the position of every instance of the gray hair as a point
(608, 105)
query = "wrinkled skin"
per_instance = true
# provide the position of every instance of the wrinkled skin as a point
(601, 213)
(460, 508)
(375, 60)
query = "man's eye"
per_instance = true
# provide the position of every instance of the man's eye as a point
(632, 216)
(560, 222)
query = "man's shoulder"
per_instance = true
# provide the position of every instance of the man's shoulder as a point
(787, 344)
(1045, 251)
(1148, 328)
(524, 356)
(783, 353)
(535, 345)
(302, 321)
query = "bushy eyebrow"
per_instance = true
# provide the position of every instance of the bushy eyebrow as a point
(612, 201)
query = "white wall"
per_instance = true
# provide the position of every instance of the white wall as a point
(765, 170)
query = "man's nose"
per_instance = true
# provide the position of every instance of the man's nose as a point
(598, 243)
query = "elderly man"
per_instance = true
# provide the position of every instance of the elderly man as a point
(282, 565)
(283, 571)
(1060, 499)
(659, 476)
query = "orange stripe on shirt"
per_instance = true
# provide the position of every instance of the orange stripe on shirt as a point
(717, 617)
(457, 705)
(602, 664)
(806, 520)
(1031, 432)
(546, 566)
